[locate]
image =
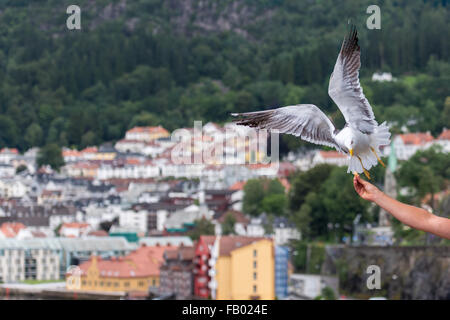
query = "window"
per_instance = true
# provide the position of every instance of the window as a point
(254, 276)
(255, 253)
(255, 289)
(127, 284)
(141, 283)
(254, 264)
(153, 282)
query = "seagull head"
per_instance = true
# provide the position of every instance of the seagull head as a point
(349, 144)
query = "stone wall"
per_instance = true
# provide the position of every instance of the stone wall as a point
(406, 272)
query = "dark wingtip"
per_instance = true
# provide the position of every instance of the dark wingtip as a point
(350, 43)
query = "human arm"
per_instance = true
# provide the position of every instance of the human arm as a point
(414, 217)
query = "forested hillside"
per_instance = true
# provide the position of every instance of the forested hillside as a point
(148, 62)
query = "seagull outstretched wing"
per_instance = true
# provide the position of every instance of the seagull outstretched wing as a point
(345, 89)
(304, 120)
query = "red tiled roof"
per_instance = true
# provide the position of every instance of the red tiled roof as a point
(71, 153)
(208, 240)
(238, 185)
(143, 262)
(38, 234)
(148, 130)
(418, 138)
(230, 243)
(9, 150)
(78, 225)
(11, 229)
(98, 233)
(237, 215)
(445, 135)
(331, 154)
(89, 150)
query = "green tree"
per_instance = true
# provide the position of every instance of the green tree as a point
(201, 227)
(327, 207)
(305, 182)
(253, 197)
(228, 225)
(34, 135)
(50, 155)
(21, 168)
(275, 204)
(425, 173)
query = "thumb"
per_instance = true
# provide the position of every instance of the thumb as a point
(362, 181)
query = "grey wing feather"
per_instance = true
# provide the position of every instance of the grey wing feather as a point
(345, 89)
(305, 121)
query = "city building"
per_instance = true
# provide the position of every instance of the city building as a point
(281, 271)
(137, 271)
(31, 259)
(74, 229)
(176, 273)
(329, 157)
(240, 222)
(310, 285)
(284, 231)
(175, 241)
(244, 268)
(406, 145)
(444, 140)
(146, 133)
(202, 267)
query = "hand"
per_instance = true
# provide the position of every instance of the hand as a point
(366, 190)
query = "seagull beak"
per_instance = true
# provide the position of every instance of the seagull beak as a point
(351, 152)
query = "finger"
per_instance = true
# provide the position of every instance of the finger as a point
(362, 181)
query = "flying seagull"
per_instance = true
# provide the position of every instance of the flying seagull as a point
(361, 136)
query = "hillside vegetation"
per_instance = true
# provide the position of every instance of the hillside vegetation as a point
(148, 62)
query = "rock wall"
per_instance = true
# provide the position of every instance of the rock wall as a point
(406, 272)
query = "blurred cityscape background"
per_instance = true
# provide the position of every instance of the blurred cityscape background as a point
(93, 205)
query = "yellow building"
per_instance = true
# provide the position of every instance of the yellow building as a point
(245, 268)
(146, 133)
(135, 272)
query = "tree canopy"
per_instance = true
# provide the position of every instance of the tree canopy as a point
(156, 62)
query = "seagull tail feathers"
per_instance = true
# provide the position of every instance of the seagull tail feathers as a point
(369, 159)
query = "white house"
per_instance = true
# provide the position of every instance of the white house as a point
(12, 189)
(382, 77)
(7, 170)
(127, 146)
(329, 157)
(311, 285)
(74, 229)
(284, 231)
(136, 220)
(444, 140)
(6, 154)
(406, 145)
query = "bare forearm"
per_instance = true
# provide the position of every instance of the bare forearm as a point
(414, 217)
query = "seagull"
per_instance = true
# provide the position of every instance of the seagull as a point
(361, 136)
